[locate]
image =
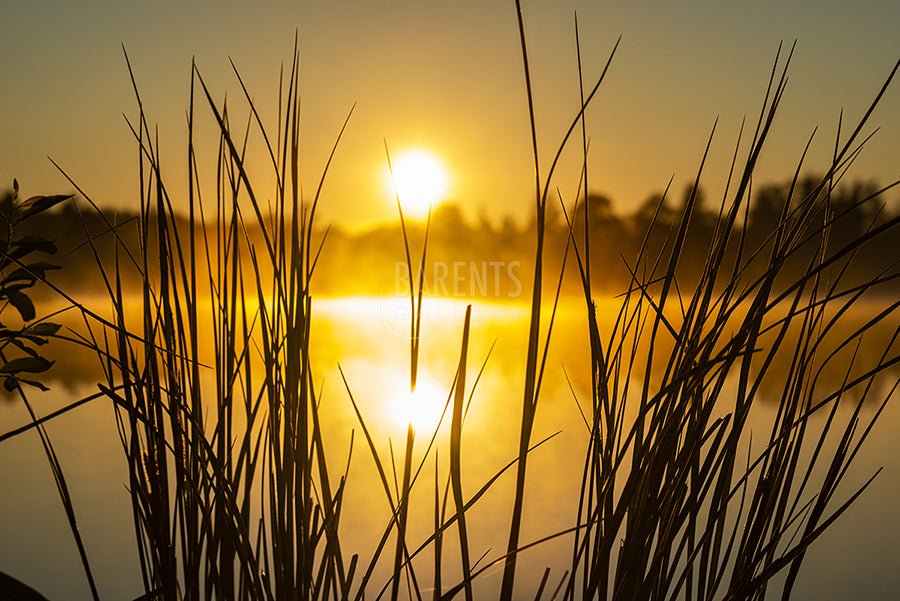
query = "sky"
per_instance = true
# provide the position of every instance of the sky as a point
(446, 77)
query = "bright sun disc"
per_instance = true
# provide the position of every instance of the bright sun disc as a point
(422, 408)
(420, 180)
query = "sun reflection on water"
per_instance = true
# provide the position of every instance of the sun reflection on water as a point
(422, 407)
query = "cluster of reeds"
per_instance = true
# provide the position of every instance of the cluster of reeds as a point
(667, 509)
(231, 492)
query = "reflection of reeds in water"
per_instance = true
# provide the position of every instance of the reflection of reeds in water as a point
(234, 495)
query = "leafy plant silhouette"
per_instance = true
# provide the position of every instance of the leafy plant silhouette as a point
(21, 267)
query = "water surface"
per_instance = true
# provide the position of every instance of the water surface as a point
(367, 338)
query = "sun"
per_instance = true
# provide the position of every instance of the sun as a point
(420, 179)
(421, 408)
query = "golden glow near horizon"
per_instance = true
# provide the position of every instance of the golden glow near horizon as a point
(423, 407)
(449, 74)
(420, 180)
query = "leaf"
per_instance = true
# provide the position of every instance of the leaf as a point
(30, 272)
(41, 266)
(34, 383)
(45, 328)
(21, 338)
(11, 383)
(23, 304)
(7, 290)
(18, 275)
(32, 365)
(20, 342)
(39, 204)
(31, 243)
(35, 242)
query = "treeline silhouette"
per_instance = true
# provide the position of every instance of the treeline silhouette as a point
(494, 260)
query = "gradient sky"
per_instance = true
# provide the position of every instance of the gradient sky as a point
(445, 76)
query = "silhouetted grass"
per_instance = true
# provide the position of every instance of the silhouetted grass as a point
(666, 511)
(234, 495)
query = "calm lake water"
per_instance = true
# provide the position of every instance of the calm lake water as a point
(857, 558)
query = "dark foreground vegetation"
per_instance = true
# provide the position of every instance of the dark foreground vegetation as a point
(231, 492)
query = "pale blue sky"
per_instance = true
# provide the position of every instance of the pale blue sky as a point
(445, 76)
